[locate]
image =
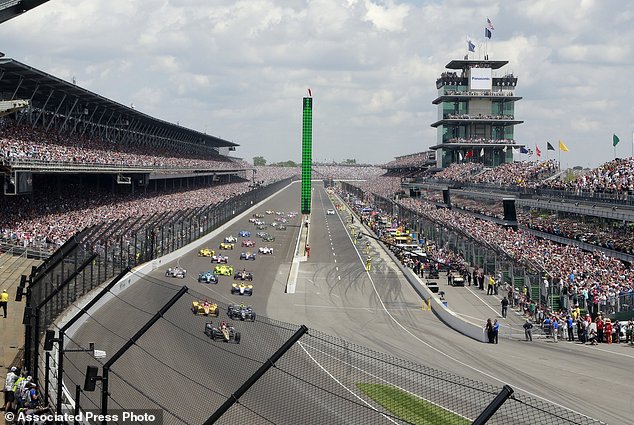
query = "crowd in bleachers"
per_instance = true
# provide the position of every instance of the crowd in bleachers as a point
(615, 176)
(477, 117)
(480, 141)
(346, 172)
(414, 160)
(46, 222)
(459, 172)
(585, 277)
(517, 173)
(21, 142)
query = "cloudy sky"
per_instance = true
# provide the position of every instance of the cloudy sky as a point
(238, 69)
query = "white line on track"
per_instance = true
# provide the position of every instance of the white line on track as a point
(340, 383)
(447, 355)
(484, 302)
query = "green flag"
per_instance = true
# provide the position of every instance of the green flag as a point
(615, 140)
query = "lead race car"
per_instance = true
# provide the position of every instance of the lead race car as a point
(208, 277)
(241, 289)
(205, 308)
(224, 332)
(247, 256)
(241, 312)
(178, 272)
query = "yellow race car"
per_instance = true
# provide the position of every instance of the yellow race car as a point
(224, 270)
(225, 245)
(205, 308)
(206, 252)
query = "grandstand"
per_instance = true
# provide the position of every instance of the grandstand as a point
(67, 152)
(11, 8)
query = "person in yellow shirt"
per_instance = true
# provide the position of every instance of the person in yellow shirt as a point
(4, 300)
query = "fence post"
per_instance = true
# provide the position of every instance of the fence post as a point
(47, 372)
(257, 375)
(493, 407)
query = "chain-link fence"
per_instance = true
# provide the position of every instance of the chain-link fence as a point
(99, 253)
(322, 379)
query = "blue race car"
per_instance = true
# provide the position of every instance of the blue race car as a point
(244, 234)
(208, 277)
(247, 255)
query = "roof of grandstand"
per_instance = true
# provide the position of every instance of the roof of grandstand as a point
(11, 8)
(461, 64)
(20, 81)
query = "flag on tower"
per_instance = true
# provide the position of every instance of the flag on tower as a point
(482, 152)
(523, 149)
(469, 154)
(549, 146)
(539, 153)
(470, 45)
(615, 140)
(488, 29)
(562, 146)
(310, 93)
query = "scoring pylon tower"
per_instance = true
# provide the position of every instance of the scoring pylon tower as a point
(307, 152)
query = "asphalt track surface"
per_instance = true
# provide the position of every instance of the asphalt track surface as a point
(335, 295)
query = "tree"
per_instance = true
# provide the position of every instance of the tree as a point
(350, 161)
(259, 160)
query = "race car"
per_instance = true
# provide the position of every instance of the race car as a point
(247, 255)
(176, 272)
(243, 275)
(241, 312)
(223, 270)
(256, 215)
(223, 332)
(248, 242)
(220, 259)
(265, 250)
(281, 227)
(231, 239)
(205, 308)
(206, 252)
(253, 220)
(261, 227)
(269, 212)
(330, 212)
(244, 234)
(226, 245)
(268, 238)
(274, 224)
(241, 289)
(208, 277)
(259, 223)
(261, 234)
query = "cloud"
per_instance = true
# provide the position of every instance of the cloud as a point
(238, 69)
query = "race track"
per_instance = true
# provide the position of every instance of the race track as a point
(335, 295)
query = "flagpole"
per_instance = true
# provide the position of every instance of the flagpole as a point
(560, 157)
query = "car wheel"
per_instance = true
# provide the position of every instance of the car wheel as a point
(253, 317)
(237, 337)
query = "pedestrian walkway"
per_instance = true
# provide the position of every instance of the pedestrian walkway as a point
(11, 328)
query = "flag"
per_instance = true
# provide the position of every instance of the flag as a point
(504, 148)
(615, 140)
(459, 156)
(469, 154)
(482, 152)
(549, 146)
(562, 146)
(539, 153)
(470, 45)
(523, 149)
(310, 93)
(488, 29)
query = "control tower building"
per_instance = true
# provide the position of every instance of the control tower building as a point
(476, 113)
